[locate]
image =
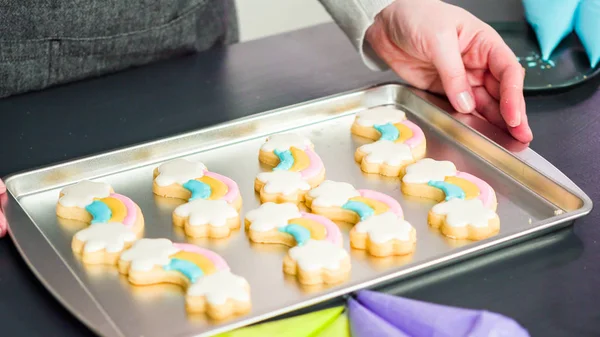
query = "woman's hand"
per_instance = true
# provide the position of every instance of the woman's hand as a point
(3, 222)
(442, 48)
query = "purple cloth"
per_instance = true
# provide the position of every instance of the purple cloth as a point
(416, 318)
(364, 323)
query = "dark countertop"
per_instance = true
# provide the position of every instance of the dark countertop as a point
(550, 285)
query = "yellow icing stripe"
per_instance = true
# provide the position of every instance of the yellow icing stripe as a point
(317, 231)
(301, 161)
(405, 132)
(218, 188)
(205, 264)
(117, 209)
(470, 189)
(377, 206)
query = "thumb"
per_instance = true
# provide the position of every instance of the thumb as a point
(447, 59)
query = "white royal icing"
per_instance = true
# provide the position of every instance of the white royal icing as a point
(284, 141)
(386, 152)
(109, 236)
(384, 227)
(427, 169)
(284, 182)
(83, 193)
(317, 254)
(220, 286)
(380, 115)
(147, 253)
(460, 212)
(207, 212)
(179, 171)
(271, 215)
(332, 194)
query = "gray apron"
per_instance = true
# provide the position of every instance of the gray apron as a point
(45, 43)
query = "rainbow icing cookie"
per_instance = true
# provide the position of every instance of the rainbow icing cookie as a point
(379, 224)
(214, 201)
(296, 168)
(398, 141)
(207, 218)
(211, 286)
(316, 256)
(466, 204)
(188, 180)
(286, 224)
(116, 221)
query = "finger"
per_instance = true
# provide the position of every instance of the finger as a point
(492, 85)
(447, 59)
(488, 107)
(476, 77)
(2, 187)
(505, 68)
(522, 132)
(3, 224)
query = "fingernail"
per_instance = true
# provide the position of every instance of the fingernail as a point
(466, 102)
(516, 121)
(529, 134)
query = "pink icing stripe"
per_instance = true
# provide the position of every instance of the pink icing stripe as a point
(386, 199)
(232, 188)
(131, 209)
(485, 189)
(215, 258)
(418, 136)
(315, 167)
(333, 231)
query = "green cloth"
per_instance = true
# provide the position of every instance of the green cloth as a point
(306, 325)
(338, 328)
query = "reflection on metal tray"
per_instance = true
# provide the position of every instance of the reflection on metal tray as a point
(533, 197)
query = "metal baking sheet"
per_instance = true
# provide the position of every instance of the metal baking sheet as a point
(534, 197)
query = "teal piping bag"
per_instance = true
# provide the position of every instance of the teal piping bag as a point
(552, 21)
(587, 27)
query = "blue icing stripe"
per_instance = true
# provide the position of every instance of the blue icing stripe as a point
(388, 131)
(286, 160)
(199, 189)
(99, 211)
(452, 191)
(300, 234)
(187, 268)
(363, 210)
